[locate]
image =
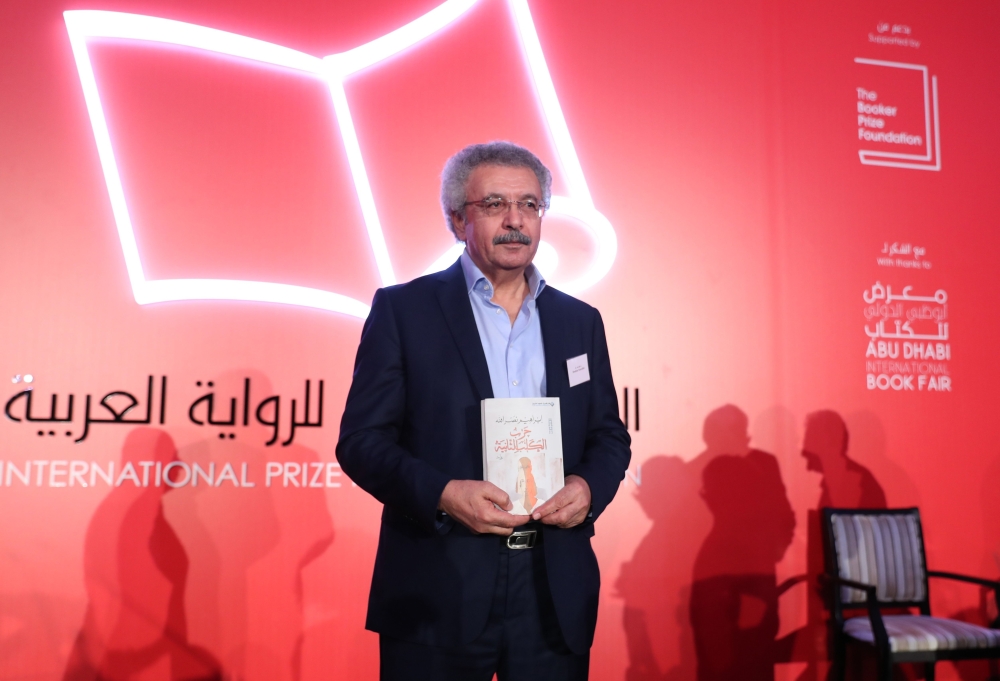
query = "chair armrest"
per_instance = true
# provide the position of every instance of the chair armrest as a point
(874, 612)
(992, 584)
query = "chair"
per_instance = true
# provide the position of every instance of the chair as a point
(875, 560)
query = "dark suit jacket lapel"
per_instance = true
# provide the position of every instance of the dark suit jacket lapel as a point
(453, 295)
(549, 315)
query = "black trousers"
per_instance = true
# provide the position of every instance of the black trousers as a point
(521, 642)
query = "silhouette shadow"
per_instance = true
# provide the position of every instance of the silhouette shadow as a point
(734, 595)
(135, 573)
(655, 584)
(250, 544)
(869, 448)
(845, 484)
(700, 593)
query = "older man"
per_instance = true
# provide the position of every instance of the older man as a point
(456, 595)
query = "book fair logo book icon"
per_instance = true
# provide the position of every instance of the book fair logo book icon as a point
(333, 70)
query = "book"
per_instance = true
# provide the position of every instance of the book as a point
(522, 449)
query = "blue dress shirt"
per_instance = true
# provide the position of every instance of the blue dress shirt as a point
(514, 352)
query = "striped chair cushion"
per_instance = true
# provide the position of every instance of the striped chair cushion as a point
(910, 633)
(885, 550)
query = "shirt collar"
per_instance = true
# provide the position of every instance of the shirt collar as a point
(473, 275)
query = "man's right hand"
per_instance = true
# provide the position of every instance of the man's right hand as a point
(471, 502)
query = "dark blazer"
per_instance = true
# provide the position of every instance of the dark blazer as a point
(412, 423)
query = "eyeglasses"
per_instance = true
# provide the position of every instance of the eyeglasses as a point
(493, 206)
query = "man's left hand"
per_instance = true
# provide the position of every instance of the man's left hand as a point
(569, 506)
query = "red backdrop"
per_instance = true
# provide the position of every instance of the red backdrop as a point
(762, 262)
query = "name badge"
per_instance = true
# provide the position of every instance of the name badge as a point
(579, 370)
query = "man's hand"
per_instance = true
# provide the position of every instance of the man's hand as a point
(470, 502)
(569, 506)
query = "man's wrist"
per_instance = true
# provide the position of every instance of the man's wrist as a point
(440, 505)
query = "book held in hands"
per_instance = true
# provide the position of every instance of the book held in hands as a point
(522, 449)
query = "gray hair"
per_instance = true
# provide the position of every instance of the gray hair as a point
(497, 153)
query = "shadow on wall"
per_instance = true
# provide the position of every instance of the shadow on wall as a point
(656, 583)
(700, 592)
(249, 545)
(778, 431)
(203, 581)
(135, 572)
(827, 449)
(734, 595)
(869, 447)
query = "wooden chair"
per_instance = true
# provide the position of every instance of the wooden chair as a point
(875, 560)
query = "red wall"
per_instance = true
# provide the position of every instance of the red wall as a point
(721, 142)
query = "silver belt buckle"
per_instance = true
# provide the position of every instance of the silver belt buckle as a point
(524, 539)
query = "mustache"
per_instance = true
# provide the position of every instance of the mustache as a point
(512, 237)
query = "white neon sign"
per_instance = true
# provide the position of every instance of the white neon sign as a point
(332, 70)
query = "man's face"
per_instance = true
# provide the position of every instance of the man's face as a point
(481, 232)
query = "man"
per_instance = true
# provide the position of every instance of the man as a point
(456, 593)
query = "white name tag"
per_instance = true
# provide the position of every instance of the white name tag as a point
(579, 370)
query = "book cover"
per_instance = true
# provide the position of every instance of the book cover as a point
(522, 449)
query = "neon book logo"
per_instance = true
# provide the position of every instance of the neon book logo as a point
(332, 70)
